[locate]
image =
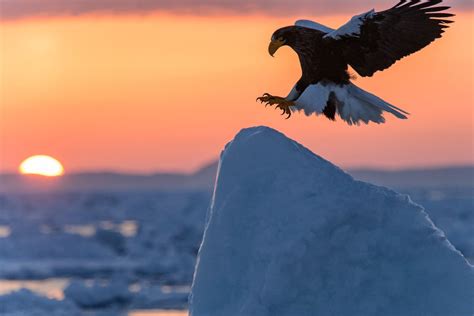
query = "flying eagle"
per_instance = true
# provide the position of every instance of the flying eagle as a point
(369, 42)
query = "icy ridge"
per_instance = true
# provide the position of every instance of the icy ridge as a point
(288, 233)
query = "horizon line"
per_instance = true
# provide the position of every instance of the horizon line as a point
(205, 166)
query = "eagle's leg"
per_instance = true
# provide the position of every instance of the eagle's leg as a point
(281, 103)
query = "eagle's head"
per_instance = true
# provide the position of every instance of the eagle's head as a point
(284, 36)
(294, 36)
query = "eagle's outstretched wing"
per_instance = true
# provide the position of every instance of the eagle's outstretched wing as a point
(374, 41)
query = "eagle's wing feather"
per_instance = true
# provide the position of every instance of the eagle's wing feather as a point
(374, 41)
(314, 25)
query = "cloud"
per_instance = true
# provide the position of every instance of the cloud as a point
(15, 9)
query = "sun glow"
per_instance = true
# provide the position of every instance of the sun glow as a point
(41, 165)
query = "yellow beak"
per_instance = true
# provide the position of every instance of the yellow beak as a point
(274, 46)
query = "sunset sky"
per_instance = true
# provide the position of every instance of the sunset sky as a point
(157, 85)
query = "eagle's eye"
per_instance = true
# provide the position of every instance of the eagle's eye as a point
(278, 39)
(275, 44)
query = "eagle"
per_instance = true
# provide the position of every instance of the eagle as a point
(369, 42)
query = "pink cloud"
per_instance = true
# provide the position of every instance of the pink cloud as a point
(14, 9)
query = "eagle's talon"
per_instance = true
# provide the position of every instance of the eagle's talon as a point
(281, 103)
(285, 110)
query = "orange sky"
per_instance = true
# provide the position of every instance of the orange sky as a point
(166, 92)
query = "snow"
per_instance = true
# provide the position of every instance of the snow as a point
(162, 242)
(288, 233)
(26, 303)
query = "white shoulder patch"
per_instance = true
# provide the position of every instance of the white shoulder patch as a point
(314, 25)
(351, 28)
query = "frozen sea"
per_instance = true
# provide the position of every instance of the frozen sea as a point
(133, 252)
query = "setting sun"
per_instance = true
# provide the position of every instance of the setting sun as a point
(41, 165)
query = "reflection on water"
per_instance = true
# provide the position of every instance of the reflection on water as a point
(176, 289)
(5, 231)
(51, 288)
(127, 228)
(54, 289)
(81, 230)
(158, 313)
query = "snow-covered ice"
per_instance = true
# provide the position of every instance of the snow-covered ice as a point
(288, 233)
(147, 241)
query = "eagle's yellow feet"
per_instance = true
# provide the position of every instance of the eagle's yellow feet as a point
(281, 103)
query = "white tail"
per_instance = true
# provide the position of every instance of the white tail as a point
(353, 104)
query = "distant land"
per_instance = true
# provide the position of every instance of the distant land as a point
(203, 179)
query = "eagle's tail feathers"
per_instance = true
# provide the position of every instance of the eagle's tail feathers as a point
(351, 103)
(376, 101)
(357, 105)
